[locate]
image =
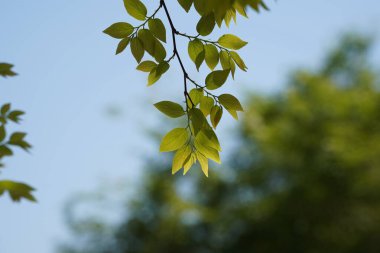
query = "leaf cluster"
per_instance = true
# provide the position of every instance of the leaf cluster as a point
(197, 142)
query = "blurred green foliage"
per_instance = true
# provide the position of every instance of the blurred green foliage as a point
(305, 178)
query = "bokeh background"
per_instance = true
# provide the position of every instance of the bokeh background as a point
(300, 172)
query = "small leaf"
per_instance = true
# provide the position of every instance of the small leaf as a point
(137, 49)
(157, 28)
(216, 115)
(17, 191)
(203, 161)
(136, 9)
(146, 66)
(206, 24)
(189, 163)
(5, 109)
(170, 109)
(206, 104)
(2, 133)
(225, 60)
(231, 41)
(196, 95)
(122, 45)
(180, 158)
(119, 30)
(230, 102)
(239, 61)
(162, 68)
(15, 116)
(6, 70)
(216, 79)
(211, 56)
(195, 50)
(174, 140)
(186, 4)
(201, 144)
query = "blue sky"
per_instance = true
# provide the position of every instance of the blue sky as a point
(69, 78)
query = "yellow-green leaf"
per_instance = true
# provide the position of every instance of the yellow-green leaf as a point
(16, 190)
(215, 115)
(122, 45)
(119, 30)
(202, 146)
(174, 140)
(196, 52)
(186, 4)
(239, 61)
(211, 56)
(206, 24)
(231, 41)
(137, 49)
(206, 104)
(146, 66)
(170, 109)
(157, 28)
(136, 9)
(216, 79)
(230, 102)
(203, 161)
(180, 158)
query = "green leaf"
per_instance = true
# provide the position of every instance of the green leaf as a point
(5, 109)
(6, 70)
(231, 41)
(216, 79)
(162, 68)
(196, 52)
(198, 120)
(170, 109)
(122, 45)
(180, 158)
(157, 28)
(201, 144)
(196, 95)
(137, 49)
(230, 102)
(17, 139)
(159, 51)
(216, 115)
(212, 138)
(153, 77)
(17, 191)
(186, 4)
(146, 66)
(2, 133)
(225, 60)
(189, 163)
(233, 114)
(5, 151)
(206, 104)
(15, 116)
(239, 61)
(148, 40)
(136, 9)
(211, 56)
(203, 161)
(206, 24)
(174, 140)
(119, 30)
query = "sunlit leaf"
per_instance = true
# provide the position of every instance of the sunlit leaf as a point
(174, 140)
(170, 109)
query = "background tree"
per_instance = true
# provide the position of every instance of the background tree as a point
(305, 177)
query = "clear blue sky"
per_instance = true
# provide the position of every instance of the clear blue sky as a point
(69, 77)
